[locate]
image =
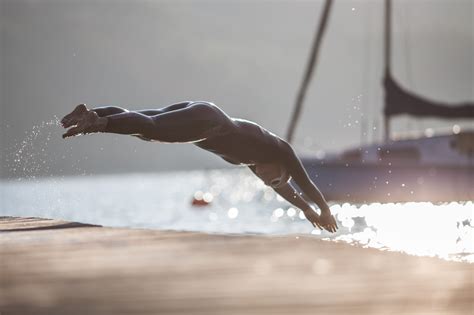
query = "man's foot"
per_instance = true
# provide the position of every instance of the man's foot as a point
(90, 122)
(75, 116)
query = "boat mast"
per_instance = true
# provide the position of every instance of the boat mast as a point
(388, 22)
(309, 70)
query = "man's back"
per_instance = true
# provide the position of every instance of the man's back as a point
(244, 142)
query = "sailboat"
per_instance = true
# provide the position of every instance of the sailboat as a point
(438, 168)
(435, 168)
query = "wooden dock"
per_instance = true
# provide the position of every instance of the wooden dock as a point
(55, 267)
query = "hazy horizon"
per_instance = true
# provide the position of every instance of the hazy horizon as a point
(247, 57)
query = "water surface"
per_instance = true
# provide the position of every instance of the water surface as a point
(239, 203)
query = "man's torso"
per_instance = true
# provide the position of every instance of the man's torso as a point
(244, 143)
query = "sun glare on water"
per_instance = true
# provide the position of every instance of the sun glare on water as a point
(416, 228)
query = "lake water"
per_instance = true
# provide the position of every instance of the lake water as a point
(239, 203)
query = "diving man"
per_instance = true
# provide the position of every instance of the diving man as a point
(237, 141)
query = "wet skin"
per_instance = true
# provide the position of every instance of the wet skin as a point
(237, 141)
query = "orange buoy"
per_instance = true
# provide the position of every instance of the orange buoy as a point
(201, 199)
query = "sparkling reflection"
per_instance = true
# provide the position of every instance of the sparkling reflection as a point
(233, 213)
(417, 228)
(240, 204)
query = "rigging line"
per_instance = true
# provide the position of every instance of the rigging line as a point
(309, 69)
(366, 80)
(401, 15)
(387, 46)
(388, 35)
(376, 95)
(406, 54)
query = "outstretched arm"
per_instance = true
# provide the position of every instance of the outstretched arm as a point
(290, 194)
(301, 178)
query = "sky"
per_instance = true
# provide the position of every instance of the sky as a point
(248, 57)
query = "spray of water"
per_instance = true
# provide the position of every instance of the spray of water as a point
(31, 160)
(32, 156)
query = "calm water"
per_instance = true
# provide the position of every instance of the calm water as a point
(240, 203)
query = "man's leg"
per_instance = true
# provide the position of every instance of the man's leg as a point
(183, 122)
(176, 123)
(78, 113)
(169, 108)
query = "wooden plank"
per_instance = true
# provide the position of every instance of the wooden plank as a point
(82, 269)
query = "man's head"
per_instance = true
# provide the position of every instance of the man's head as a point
(272, 174)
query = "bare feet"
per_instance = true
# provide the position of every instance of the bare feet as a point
(88, 123)
(74, 117)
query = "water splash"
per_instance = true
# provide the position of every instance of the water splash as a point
(32, 156)
(32, 161)
(29, 157)
(354, 113)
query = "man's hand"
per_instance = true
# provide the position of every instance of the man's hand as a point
(327, 221)
(324, 221)
(75, 116)
(82, 121)
(313, 217)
